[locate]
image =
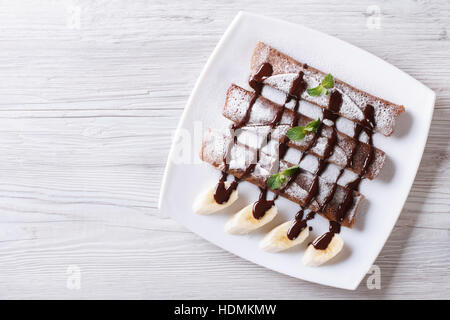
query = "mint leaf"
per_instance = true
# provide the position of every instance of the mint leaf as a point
(299, 133)
(328, 82)
(312, 126)
(289, 171)
(315, 91)
(296, 133)
(275, 181)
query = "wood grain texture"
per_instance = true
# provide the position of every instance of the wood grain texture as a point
(91, 92)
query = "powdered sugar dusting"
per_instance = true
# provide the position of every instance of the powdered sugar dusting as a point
(345, 126)
(265, 167)
(325, 188)
(347, 177)
(281, 82)
(261, 113)
(273, 94)
(309, 163)
(271, 148)
(331, 173)
(287, 118)
(237, 104)
(305, 142)
(312, 80)
(279, 131)
(353, 101)
(310, 110)
(297, 192)
(292, 155)
(377, 164)
(215, 146)
(254, 137)
(339, 156)
(320, 146)
(351, 109)
(240, 157)
(364, 137)
(384, 118)
(290, 104)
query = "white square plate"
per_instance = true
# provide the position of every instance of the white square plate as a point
(186, 176)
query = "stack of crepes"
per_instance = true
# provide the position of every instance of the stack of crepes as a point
(332, 159)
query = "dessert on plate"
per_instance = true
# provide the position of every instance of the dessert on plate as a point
(334, 151)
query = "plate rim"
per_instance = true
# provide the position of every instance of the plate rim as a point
(351, 284)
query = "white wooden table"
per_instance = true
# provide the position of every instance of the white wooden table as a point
(91, 92)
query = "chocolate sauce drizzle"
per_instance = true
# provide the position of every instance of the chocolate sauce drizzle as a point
(324, 240)
(332, 114)
(334, 105)
(298, 86)
(222, 194)
(299, 224)
(260, 207)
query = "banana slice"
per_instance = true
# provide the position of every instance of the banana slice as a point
(206, 204)
(243, 222)
(314, 257)
(277, 240)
